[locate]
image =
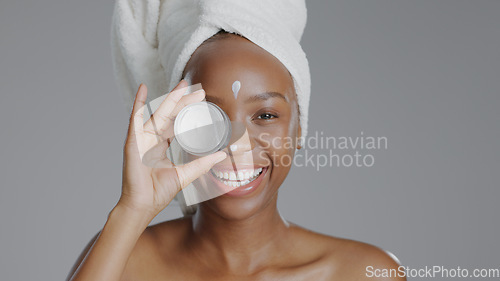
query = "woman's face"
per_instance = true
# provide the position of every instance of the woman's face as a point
(266, 107)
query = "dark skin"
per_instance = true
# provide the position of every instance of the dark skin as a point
(245, 238)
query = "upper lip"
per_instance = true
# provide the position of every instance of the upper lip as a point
(242, 162)
(237, 166)
(239, 162)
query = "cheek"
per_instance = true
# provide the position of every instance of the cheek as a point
(278, 142)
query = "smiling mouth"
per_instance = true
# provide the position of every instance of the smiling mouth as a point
(236, 179)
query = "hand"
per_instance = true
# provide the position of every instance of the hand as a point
(150, 188)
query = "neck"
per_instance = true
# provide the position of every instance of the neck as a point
(239, 245)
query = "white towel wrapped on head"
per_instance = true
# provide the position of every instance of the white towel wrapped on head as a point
(152, 40)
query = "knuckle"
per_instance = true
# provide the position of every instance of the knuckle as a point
(181, 179)
(166, 118)
(150, 131)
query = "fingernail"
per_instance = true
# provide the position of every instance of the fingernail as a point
(198, 92)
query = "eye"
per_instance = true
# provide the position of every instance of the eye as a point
(266, 116)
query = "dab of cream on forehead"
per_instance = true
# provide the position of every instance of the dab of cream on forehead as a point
(236, 88)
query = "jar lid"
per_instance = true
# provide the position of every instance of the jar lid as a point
(202, 128)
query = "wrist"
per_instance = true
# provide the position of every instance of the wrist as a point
(133, 216)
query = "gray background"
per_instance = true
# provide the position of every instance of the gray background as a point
(422, 73)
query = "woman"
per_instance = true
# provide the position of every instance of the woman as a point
(236, 236)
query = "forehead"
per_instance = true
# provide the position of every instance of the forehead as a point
(221, 62)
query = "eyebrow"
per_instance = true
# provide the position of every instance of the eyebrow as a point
(213, 99)
(265, 96)
(260, 97)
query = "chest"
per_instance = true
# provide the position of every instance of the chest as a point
(155, 270)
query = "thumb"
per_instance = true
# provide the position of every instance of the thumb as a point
(189, 172)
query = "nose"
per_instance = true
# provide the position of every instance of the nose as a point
(240, 141)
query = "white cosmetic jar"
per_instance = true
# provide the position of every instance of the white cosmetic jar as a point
(202, 128)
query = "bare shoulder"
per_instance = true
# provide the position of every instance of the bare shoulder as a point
(346, 259)
(164, 235)
(175, 229)
(363, 261)
(153, 249)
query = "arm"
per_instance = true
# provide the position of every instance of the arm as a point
(146, 189)
(82, 256)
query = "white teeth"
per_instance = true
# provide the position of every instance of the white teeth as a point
(258, 171)
(233, 183)
(231, 178)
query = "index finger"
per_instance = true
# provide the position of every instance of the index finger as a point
(160, 117)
